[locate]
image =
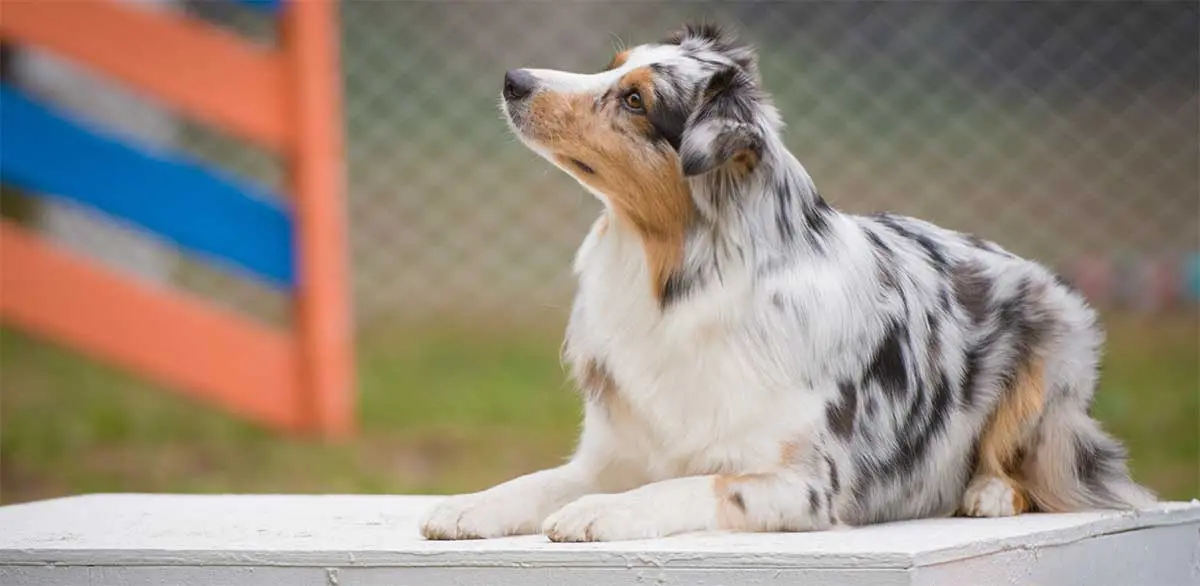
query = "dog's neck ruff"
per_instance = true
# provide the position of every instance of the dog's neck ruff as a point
(756, 222)
(746, 226)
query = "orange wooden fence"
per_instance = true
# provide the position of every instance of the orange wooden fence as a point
(286, 99)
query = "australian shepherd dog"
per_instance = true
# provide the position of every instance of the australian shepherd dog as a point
(752, 359)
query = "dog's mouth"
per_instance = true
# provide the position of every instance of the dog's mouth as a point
(580, 166)
(515, 113)
(564, 160)
(522, 123)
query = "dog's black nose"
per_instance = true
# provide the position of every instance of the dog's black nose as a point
(518, 84)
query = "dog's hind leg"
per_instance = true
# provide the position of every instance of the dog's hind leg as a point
(1041, 450)
(1070, 463)
(997, 489)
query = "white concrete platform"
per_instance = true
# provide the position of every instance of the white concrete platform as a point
(373, 540)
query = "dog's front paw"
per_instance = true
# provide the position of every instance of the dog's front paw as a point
(660, 509)
(475, 516)
(604, 517)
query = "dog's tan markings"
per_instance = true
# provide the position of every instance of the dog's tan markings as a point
(594, 380)
(1008, 428)
(744, 162)
(731, 504)
(791, 451)
(641, 79)
(618, 60)
(663, 257)
(731, 508)
(598, 387)
(640, 178)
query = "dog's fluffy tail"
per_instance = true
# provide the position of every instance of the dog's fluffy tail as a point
(1074, 465)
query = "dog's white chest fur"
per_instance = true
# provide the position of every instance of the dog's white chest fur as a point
(694, 397)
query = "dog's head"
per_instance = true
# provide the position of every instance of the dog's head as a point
(658, 115)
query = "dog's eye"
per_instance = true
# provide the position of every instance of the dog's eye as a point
(633, 101)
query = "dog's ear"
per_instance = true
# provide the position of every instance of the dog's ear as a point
(724, 128)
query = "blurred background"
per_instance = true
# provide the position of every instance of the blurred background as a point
(1065, 131)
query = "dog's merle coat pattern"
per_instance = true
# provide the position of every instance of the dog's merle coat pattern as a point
(798, 367)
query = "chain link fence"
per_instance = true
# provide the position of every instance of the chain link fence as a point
(1066, 131)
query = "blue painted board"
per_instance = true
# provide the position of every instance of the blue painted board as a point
(265, 5)
(203, 211)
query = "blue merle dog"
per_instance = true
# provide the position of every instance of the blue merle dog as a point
(752, 359)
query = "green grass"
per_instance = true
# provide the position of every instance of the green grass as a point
(447, 412)
(1149, 397)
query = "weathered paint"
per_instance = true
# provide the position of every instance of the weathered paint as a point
(155, 539)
